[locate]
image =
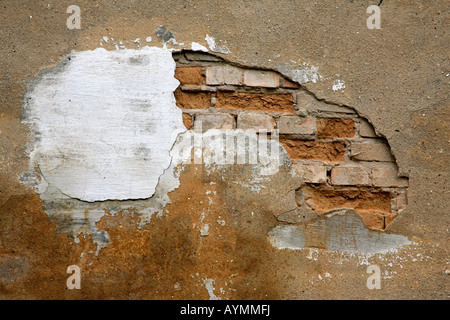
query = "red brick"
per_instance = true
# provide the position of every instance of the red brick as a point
(192, 100)
(326, 198)
(335, 128)
(255, 101)
(189, 75)
(314, 150)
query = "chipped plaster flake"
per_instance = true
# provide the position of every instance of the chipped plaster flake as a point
(341, 231)
(209, 285)
(198, 47)
(104, 122)
(214, 47)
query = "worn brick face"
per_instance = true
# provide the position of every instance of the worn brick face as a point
(254, 120)
(310, 173)
(189, 75)
(208, 121)
(260, 78)
(349, 176)
(297, 125)
(255, 101)
(192, 100)
(224, 74)
(388, 177)
(371, 151)
(335, 128)
(315, 150)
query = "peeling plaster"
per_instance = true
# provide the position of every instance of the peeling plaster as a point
(216, 48)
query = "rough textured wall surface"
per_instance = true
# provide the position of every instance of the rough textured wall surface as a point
(357, 118)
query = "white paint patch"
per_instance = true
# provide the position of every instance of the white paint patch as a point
(104, 122)
(204, 230)
(301, 73)
(198, 47)
(338, 85)
(216, 48)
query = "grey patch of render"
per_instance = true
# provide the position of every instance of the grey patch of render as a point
(339, 230)
(164, 34)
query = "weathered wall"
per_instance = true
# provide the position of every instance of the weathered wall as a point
(361, 177)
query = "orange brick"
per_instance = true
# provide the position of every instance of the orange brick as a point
(325, 198)
(255, 101)
(192, 100)
(373, 220)
(314, 150)
(335, 128)
(189, 75)
(187, 120)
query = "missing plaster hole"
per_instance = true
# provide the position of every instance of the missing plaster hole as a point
(331, 145)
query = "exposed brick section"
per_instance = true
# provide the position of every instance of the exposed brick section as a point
(259, 78)
(310, 173)
(189, 75)
(192, 100)
(297, 125)
(223, 74)
(187, 121)
(254, 120)
(255, 101)
(336, 154)
(350, 176)
(371, 151)
(214, 121)
(335, 128)
(315, 150)
(387, 177)
(324, 198)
